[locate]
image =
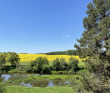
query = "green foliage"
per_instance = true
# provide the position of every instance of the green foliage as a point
(2, 61)
(95, 46)
(2, 88)
(73, 64)
(56, 64)
(13, 58)
(46, 69)
(63, 64)
(96, 36)
(4, 54)
(68, 52)
(59, 72)
(37, 64)
(52, 77)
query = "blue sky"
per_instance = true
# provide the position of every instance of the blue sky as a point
(39, 26)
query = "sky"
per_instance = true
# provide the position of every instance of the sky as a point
(39, 26)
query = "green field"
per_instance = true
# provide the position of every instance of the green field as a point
(18, 89)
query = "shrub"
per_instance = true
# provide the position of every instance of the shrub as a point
(37, 64)
(2, 88)
(46, 69)
(56, 64)
(73, 64)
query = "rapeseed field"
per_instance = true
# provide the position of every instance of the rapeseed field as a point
(31, 57)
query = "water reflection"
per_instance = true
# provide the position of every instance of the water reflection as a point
(26, 85)
(50, 84)
(13, 76)
(39, 83)
(17, 79)
(6, 76)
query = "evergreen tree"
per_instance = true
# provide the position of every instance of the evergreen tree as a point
(95, 46)
(96, 36)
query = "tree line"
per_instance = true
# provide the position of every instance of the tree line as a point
(68, 52)
(41, 65)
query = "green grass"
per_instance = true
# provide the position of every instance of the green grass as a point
(17, 89)
(53, 77)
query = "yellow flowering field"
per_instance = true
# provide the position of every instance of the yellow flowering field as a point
(31, 57)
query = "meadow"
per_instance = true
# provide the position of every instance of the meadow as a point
(14, 82)
(19, 89)
(56, 76)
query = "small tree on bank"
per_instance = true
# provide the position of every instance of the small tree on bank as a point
(39, 65)
(56, 64)
(63, 64)
(13, 58)
(73, 64)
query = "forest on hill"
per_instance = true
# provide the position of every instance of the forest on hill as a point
(68, 52)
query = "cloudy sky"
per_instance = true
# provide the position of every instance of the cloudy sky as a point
(38, 26)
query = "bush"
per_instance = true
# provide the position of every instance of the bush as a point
(63, 64)
(46, 69)
(71, 72)
(56, 64)
(53, 72)
(73, 64)
(37, 65)
(2, 88)
(62, 72)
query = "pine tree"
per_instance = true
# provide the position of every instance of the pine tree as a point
(96, 36)
(95, 46)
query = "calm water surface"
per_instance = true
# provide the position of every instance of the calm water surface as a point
(36, 83)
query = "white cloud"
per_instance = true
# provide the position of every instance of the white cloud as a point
(66, 36)
(22, 33)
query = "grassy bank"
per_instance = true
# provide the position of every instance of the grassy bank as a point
(54, 77)
(13, 89)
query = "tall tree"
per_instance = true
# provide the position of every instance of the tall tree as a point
(95, 46)
(96, 36)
